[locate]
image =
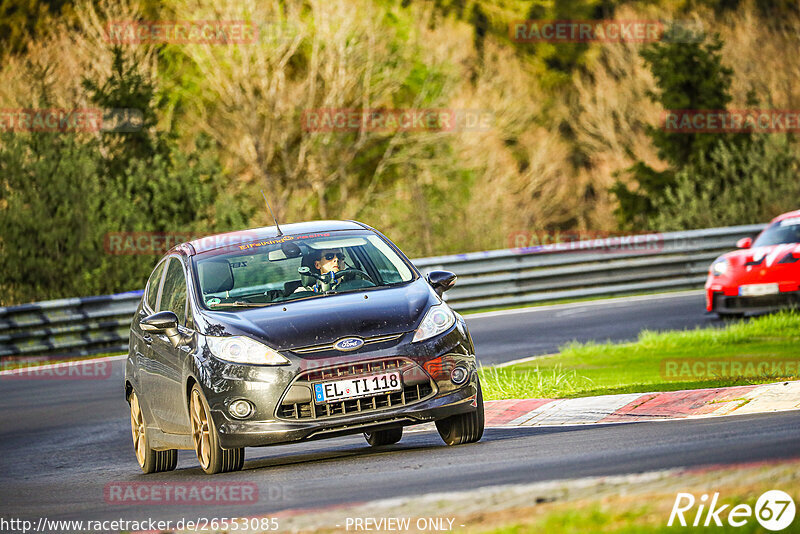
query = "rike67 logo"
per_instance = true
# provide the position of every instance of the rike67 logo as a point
(774, 510)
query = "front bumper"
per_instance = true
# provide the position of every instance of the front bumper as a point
(721, 303)
(234, 434)
(281, 415)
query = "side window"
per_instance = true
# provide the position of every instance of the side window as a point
(173, 296)
(152, 286)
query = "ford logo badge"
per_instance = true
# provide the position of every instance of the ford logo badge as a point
(348, 344)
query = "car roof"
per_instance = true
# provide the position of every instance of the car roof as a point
(789, 215)
(215, 241)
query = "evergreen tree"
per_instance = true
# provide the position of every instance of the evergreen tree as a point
(689, 76)
(63, 192)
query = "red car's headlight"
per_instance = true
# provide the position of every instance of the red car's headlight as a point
(720, 267)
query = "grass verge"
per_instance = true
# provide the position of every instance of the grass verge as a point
(636, 502)
(648, 508)
(659, 361)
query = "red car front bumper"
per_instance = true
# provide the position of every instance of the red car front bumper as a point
(728, 300)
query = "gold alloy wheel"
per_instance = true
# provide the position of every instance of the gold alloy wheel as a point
(201, 431)
(138, 430)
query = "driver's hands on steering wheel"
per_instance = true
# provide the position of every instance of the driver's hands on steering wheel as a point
(352, 272)
(333, 278)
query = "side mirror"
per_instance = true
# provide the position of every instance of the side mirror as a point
(159, 322)
(745, 242)
(165, 322)
(441, 281)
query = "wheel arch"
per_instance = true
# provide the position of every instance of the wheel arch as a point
(187, 390)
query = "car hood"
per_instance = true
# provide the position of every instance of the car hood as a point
(765, 256)
(761, 265)
(322, 320)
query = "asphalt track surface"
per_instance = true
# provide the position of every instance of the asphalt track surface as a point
(63, 441)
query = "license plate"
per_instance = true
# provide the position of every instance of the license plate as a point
(758, 290)
(352, 388)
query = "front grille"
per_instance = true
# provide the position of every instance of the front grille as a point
(355, 369)
(309, 410)
(767, 301)
(329, 346)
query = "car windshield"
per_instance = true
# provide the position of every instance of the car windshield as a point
(289, 268)
(779, 233)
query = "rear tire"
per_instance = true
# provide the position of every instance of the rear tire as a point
(151, 461)
(213, 458)
(465, 427)
(380, 438)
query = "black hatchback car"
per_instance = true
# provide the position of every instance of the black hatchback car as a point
(265, 336)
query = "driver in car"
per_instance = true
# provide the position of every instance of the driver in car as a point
(327, 263)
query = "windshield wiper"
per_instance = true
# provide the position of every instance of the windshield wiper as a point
(238, 304)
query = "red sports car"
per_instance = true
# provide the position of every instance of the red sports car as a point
(763, 275)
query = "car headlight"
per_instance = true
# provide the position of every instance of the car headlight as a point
(242, 349)
(438, 319)
(719, 267)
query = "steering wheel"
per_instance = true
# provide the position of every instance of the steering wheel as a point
(352, 272)
(339, 276)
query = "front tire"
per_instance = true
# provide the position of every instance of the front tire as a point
(465, 427)
(151, 461)
(379, 438)
(213, 458)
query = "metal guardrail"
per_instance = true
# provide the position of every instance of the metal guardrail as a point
(68, 327)
(496, 278)
(603, 267)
